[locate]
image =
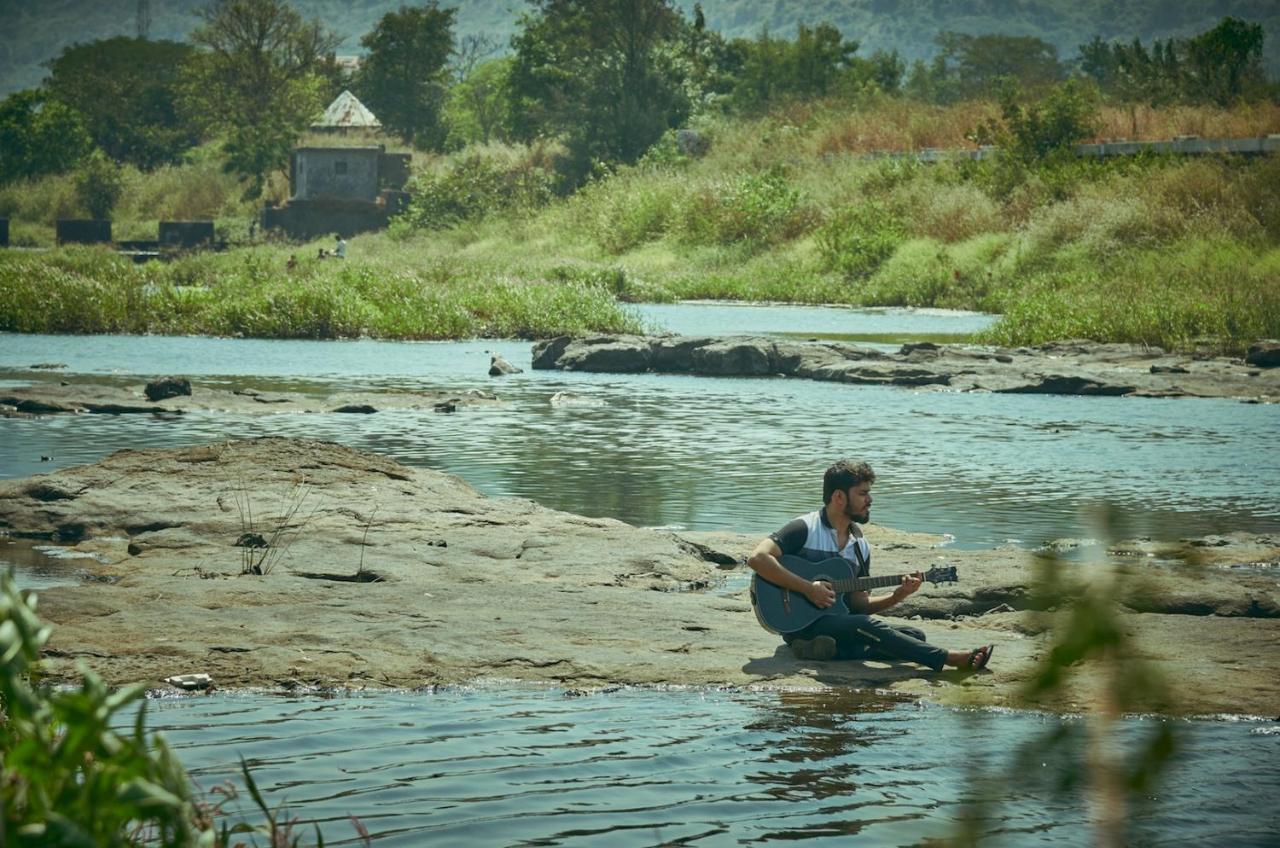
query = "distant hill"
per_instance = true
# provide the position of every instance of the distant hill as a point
(34, 32)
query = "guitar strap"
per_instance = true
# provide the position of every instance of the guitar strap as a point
(864, 565)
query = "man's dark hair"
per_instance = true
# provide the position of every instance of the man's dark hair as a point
(844, 475)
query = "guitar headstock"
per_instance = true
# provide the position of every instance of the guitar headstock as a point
(941, 574)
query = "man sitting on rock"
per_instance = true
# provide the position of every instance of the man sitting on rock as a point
(854, 634)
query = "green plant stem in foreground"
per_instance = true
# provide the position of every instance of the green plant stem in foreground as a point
(69, 778)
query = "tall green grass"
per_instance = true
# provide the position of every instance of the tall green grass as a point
(253, 293)
(1203, 295)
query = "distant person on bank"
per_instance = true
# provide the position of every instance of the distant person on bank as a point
(339, 247)
(853, 634)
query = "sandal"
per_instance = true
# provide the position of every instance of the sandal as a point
(979, 658)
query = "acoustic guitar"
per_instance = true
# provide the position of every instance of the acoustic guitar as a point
(784, 611)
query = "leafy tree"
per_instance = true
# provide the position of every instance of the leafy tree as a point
(1219, 66)
(969, 66)
(477, 107)
(127, 91)
(776, 68)
(882, 69)
(262, 76)
(1225, 62)
(603, 73)
(1066, 115)
(99, 184)
(39, 136)
(1130, 72)
(404, 78)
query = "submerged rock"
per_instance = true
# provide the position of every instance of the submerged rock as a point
(1264, 354)
(498, 367)
(163, 388)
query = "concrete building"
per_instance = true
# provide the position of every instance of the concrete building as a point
(334, 173)
(342, 190)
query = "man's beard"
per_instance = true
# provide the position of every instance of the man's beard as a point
(860, 517)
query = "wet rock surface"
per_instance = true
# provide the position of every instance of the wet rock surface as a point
(52, 398)
(1067, 367)
(358, 571)
(163, 388)
(499, 367)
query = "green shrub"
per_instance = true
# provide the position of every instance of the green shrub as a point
(949, 213)
(43, 200)
(200, 190)
(888, 174)
(1219, 197)
(1195, 293)
(1259, 193)
(1100, 225)
(252, 293)
(1069, 113)
(99, 184)
(928, 273)
(751, 208)
(474, 187)
(630, 209)
(788, 276)
(856, 239)
(72, 779)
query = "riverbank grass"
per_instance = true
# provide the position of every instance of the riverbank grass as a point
(254, 292)
(1156, 250)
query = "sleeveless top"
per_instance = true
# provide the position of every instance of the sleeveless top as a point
(811, 536)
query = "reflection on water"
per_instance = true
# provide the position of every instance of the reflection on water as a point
(38, 565)
(641, 767)
(713, 453)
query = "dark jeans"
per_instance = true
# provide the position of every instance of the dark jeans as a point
(861, 637)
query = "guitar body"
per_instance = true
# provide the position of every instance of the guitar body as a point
(783, 611)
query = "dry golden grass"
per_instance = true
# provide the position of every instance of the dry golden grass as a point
(1144, 123)
(902, 125)
(906, 125)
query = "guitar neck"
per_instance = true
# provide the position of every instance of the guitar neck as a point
(863, 584)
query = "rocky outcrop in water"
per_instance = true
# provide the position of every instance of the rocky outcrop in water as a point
(163, 388)
(1069, 367)
(49, 398)
(1264, 354)
(294, 563)
(499, 367)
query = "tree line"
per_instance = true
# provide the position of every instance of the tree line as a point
(607, 78)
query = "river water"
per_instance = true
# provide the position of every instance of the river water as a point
(511, 766)
(643, 767)
(704, 453)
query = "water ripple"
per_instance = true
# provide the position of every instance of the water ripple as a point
(641, 767)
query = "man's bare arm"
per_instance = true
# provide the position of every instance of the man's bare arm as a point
(863, 603)
(764, 561)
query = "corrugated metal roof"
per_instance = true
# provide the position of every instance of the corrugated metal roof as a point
(346, 111)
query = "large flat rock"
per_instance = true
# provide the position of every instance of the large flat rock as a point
(48, 397)
(1068, 367)
(376, 574)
